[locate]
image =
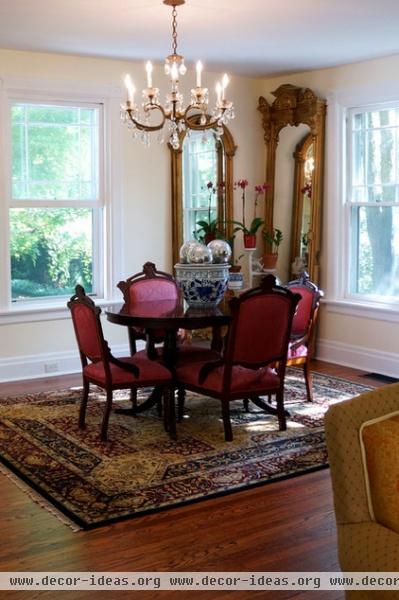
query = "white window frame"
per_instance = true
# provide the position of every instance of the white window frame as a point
(189, 210)
(110, 192)
(336, 217)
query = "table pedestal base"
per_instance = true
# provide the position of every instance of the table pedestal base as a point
(155, 398)
(263, 405)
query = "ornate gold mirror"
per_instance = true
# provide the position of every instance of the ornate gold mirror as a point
(295, 106)
(198, 160)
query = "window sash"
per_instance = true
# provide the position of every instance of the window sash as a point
(351, 186)
(97, 256)
(353, 206)
(195, 195)
(60, 202)
(97, 205)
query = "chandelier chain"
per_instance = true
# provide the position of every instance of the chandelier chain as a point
(174, 30)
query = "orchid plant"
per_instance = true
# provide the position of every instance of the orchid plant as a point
(274, 238)
(210, 227)
(256, 222)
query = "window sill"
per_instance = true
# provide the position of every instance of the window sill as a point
(365, 310)
(30, 312)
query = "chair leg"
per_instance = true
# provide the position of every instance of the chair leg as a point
(170, 402)
(246, 404)
(132, 341)
(133, 399)
(159, 406)
(83, 404)
(280, 411)
(107, 410)
(181, 396)
(228, 433)
(166, 409)
(308, 381)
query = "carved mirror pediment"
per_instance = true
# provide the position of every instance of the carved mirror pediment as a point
(296, 107)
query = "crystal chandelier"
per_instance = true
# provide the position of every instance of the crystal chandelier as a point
(173, 114)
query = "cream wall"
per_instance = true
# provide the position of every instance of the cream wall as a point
(368, 343)
(146, 218)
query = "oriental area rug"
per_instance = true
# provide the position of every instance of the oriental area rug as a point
(140, 469)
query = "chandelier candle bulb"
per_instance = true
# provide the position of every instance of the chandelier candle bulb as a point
(199, 68)
(148, 68)
(130, 90)
(225, 83)
(219, 93)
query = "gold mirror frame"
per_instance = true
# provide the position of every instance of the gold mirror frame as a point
(292, 106)
(226, 212)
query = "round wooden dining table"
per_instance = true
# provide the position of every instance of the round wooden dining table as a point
(168, 316)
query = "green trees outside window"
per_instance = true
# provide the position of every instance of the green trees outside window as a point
(51, 251)
(55, 209)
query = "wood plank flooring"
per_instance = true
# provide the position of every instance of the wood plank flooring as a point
(283, 526)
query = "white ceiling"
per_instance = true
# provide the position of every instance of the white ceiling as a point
(253, 37)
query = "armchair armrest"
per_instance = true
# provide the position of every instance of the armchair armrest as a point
(207, 368)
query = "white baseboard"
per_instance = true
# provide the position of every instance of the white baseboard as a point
(48, 365)
(358, 357)
(65, 363)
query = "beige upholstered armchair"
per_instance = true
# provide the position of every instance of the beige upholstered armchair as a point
(363, 545)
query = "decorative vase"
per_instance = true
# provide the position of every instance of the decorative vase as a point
(249, 240)
(203, 285)
(236, 278)
(269, 260)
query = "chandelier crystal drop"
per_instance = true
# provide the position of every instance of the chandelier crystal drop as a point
(173, 115)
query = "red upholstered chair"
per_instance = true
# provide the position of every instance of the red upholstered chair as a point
(152, 285)
(303, 327)
(146, 286)
(258, 338)
(101, 368)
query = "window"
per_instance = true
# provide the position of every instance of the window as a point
(372, 206)
(56, 205)
(199, 167)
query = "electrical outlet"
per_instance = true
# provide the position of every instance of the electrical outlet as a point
(51, 367)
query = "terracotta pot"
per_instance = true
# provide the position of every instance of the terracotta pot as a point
(249, 240)
(269, 261)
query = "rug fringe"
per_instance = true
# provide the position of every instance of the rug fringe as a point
(38, 499)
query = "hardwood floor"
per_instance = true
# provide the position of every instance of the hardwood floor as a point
(283, 526)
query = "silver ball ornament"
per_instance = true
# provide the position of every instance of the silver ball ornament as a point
(221, 251)
(199, 254)
(185, 249)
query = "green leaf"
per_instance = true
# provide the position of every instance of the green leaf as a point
(256, 223)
